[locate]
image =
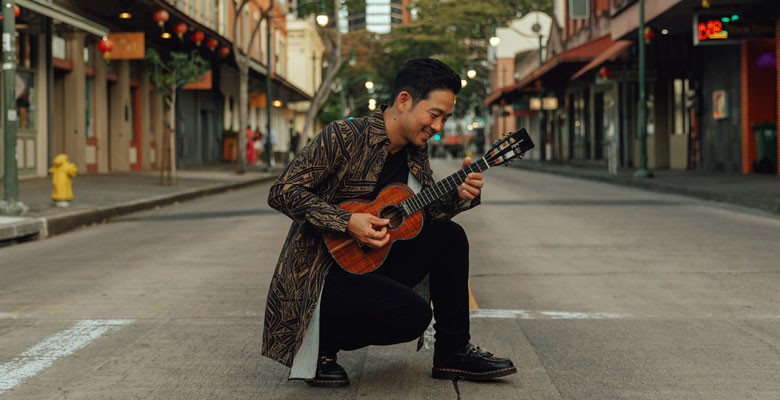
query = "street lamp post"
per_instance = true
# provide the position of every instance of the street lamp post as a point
(10, 204)
(641, 117)
(537, 28)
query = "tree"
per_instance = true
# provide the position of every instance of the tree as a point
(168, 77)
(242, 57)
(334, 60)
(456, 32)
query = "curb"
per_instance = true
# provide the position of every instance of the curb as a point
(58, 224)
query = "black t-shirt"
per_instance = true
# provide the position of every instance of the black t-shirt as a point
(395, 170)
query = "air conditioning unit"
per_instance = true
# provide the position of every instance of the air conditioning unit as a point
(579, 9)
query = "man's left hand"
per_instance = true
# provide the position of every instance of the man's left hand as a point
(472, 186)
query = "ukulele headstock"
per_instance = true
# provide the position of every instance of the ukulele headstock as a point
(512, 145)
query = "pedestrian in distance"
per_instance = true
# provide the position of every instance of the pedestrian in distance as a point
(250, 146)
(295, 139)
(315, 308)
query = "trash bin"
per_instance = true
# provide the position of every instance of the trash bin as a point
(766, 147)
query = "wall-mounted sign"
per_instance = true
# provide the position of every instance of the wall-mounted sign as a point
(127, 45)
(203, 82)
(546, 103)
(727, 27)
(720, 104)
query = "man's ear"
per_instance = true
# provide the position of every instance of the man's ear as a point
(404, 101)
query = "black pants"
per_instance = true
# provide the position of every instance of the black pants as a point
(380, 308)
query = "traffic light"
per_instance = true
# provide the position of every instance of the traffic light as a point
(437, 137)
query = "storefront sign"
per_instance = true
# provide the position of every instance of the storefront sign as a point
(203, 82)
(546, 103)
(127, 45)
(726, 27)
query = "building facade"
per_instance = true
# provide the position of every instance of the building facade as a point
(103, 109)
(378, 16)
(711, 85)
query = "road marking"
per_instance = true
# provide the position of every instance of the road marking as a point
(7, 315)
(45, 353)
(526, 314)
(428, 335)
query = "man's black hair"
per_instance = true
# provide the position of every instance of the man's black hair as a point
(421, 76)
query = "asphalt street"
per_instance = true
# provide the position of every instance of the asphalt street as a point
(595, 291)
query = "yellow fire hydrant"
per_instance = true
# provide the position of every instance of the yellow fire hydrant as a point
(62, 173)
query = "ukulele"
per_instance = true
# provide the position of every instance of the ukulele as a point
(398, 203)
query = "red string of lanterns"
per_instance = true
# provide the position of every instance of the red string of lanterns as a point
(105, 46)
(180, 29)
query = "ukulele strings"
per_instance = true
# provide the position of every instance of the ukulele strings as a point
(489, 158)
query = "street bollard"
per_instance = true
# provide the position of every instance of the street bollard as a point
(62, 173)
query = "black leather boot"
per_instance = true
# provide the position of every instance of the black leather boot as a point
(329, 373)
(471, 364)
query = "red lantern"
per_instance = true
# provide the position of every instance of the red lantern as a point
(603, 73)
(17, 11)
(649, 35)
(161, 17)
(212, 43)
(180, 29)
(197, 37)
(105, 46)
(224, 51)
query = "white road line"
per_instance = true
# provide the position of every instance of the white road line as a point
(525, 314)
(428, 338)
(45, 353)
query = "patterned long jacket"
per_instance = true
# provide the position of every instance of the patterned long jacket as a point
(342, 162)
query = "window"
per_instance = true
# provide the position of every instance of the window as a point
(579, 115)
(59, 47)
(89, 84)
(680, 92)
(25, 99)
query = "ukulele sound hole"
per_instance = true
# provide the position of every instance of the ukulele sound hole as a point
(394, 214)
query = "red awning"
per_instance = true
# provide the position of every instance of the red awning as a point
(501, 92)
(583, 53)
(610, 54)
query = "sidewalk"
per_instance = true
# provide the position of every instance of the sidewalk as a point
(760, 192)
(100, 197)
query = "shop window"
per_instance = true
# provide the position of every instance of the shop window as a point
(579, 115)
(90, 106)
(649, 111)
(25, 99)
(681, 121)
(24, 50)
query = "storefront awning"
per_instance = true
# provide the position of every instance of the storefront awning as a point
(616, 49)
(60, 14)
(562, 62)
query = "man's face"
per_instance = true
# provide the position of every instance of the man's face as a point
(427, 117)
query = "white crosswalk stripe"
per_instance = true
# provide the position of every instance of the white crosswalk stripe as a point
(43, 354)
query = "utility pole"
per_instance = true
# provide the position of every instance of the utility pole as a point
(268, 90)
(542, 132)
(641, 118)
(10, 204)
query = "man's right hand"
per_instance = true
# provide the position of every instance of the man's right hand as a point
(368, 229)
